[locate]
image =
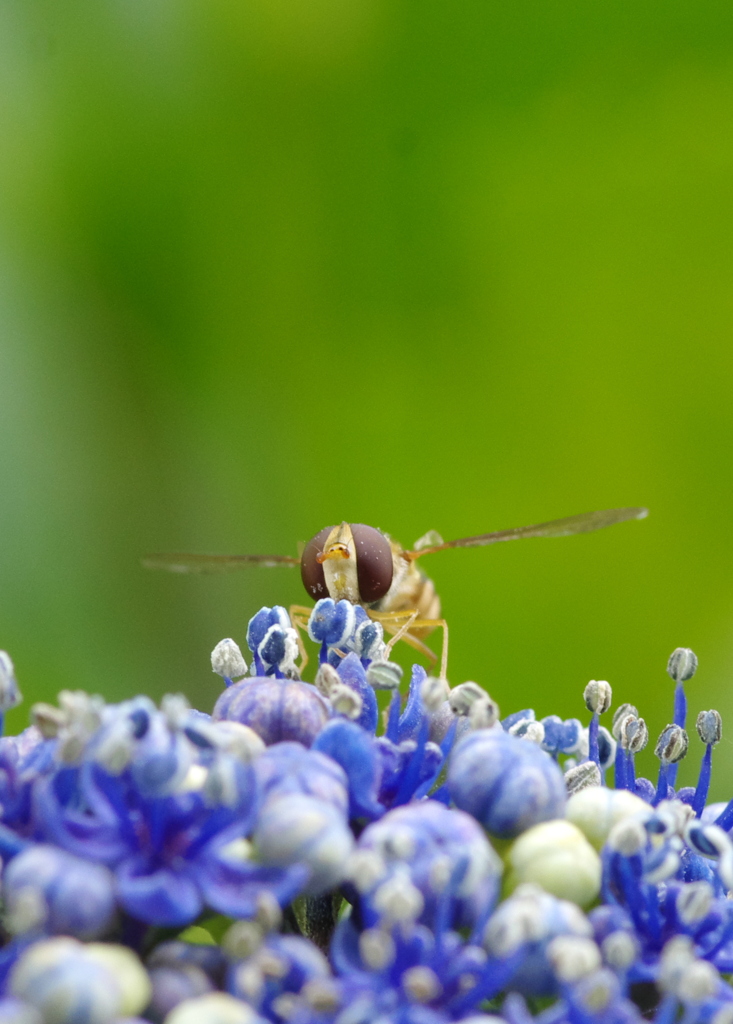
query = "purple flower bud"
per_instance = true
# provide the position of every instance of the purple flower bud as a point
(171, 985)
(277, 709)
(506, 784)
(71, 896)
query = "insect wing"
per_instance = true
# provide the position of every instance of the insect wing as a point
(584, 523)
(179, 562)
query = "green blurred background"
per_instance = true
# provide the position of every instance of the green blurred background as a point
(270, 264)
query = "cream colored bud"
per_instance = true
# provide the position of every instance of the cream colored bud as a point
(130, 975)
(384, 675)
(421, 984)
(586, 775)
(620, 949)
(376, 949)
(556, 856)
(242, 940)
(598, 809)
(572, 957)
(434, 692)
(398, 899)
(598, 696)
(346, 701)
(227, 660)
(327, 678)
(213, 1008)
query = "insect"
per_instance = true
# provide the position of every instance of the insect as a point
(361, 564)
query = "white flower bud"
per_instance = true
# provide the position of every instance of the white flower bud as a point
(620, 949)
(376, 949)
(434, 692)
(620, 713)
(346, 701)
(421, 984)
(327, 679)
(484, 714)
(598, 696)
(130, 975)
(583, 776)
(694, 902)
(175, 708)
(698, 983)
(398, 900)
(384, 675)
(227, 660)
(672, 744)
(572, 957)
(213, 1008)
(237, 740)
(529, 730)
(682, 664)
(556, 856)
(242, 939)
(677, 957)
(269, 914)
(598, 809)
(366, 869)
(48, 719)
(628, 837)
(463, 697)
(321, 995)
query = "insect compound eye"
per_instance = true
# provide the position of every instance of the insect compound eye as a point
(311, 571)
(373, 562)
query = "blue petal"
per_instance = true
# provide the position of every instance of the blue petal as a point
(162, 896)
(351, 673)
(355, 750)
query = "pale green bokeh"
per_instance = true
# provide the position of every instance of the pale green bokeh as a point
(268, 265)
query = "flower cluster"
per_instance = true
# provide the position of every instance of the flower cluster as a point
(286, 860)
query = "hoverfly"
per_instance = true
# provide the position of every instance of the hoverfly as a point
(361, 564)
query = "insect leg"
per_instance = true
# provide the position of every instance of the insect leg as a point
(299, 616)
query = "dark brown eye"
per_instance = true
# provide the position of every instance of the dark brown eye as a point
(311, 571)
(373, 562)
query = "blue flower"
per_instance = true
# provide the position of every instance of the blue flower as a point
(431, 842)
(290, 768)
(505, 783)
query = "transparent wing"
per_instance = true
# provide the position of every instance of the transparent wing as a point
(584, 523)
(176, 562)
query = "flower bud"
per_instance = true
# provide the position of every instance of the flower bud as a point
(384, 675)
(72, 896)
(326, 679)
(597, 696)
(277, 709)
(620, 949)
(621, 712)
(572, 957)
(556, 856)
(597, 991)
(672, 744)
(300, 829)
(421, 984)
(129, 974)
(694, 902)
(506, 784)
(213, 1008)
(433, 692)
(242, 939)
(709, 727)
(596, 811)
(582, 776)
(484, 713)
(529, 730)
(634, 734)
(346, 701)
(628, 837)
(15, 1011)
(398, 900)
(227, 660)
(462, 697)
(48, 719)
(682, 664)
(376, 949)
(259, 624)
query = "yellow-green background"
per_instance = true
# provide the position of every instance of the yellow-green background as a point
(270, 264)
